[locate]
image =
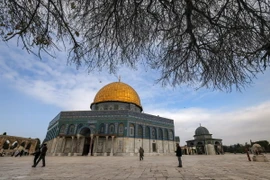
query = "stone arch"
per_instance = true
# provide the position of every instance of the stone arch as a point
(85, 131)
(6, 144)
(28, 146)
(23, 144)
(14, 144)
(200, 148)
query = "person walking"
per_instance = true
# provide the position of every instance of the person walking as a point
(141, 151)
(42, 156)
(179, 154)
(36, 154)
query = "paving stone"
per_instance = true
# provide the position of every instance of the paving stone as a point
(195, 167)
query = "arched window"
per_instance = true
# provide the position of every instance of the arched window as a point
(71, 129)
(121, 129)
(147, 132)
(62, 129)
(160, 134)
(102, 128)
(131, 130)
(171, 135)
(140, 131)
(166, 135)
(111, 129)
(154, 133)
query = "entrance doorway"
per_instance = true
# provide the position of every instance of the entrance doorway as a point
(86, 145)
(154, 147)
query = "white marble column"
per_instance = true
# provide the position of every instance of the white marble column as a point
(71, 149)
(91, 142)
(77, 145)
(62, 148)
(105, 146)
(56, 145)
(163, 151)
(112, 147)
(96, 146)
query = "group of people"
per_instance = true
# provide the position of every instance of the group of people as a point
(178, 154)
(40, 154)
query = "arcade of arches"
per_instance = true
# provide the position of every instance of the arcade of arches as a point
(11, 143)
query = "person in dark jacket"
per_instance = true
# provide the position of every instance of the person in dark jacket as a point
(36, 154)
(42, 156)
(179, 154)
(141, 151)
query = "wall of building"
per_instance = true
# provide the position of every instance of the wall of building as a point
(122, 146)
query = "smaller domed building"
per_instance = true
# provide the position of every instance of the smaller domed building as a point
(203, 143)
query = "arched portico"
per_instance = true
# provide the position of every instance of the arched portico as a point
(88, 146)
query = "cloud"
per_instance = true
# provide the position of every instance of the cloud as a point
(234, 126)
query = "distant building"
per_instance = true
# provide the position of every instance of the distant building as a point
(115, 125)
(203, 143)
(11, 143)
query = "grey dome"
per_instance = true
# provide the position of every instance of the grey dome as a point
(201, 131)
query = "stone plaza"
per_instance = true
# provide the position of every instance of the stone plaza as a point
(201, 167)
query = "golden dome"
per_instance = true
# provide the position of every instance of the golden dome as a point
(117, 91)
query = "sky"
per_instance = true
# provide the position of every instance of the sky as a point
(33, 91)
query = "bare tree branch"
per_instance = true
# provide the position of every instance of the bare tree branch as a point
(219, 44)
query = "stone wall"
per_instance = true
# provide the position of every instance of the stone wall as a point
(27, 144)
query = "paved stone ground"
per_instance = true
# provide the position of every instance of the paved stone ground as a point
(201, 167)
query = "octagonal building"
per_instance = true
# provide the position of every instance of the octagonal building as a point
(203, 143)
(115, 125)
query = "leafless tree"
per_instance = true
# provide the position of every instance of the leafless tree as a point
(219, 44)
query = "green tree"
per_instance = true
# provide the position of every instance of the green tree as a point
(220, 44)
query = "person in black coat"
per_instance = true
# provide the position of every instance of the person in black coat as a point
(179, 154)
(42, 155)
(36, 154)
(141, 151)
